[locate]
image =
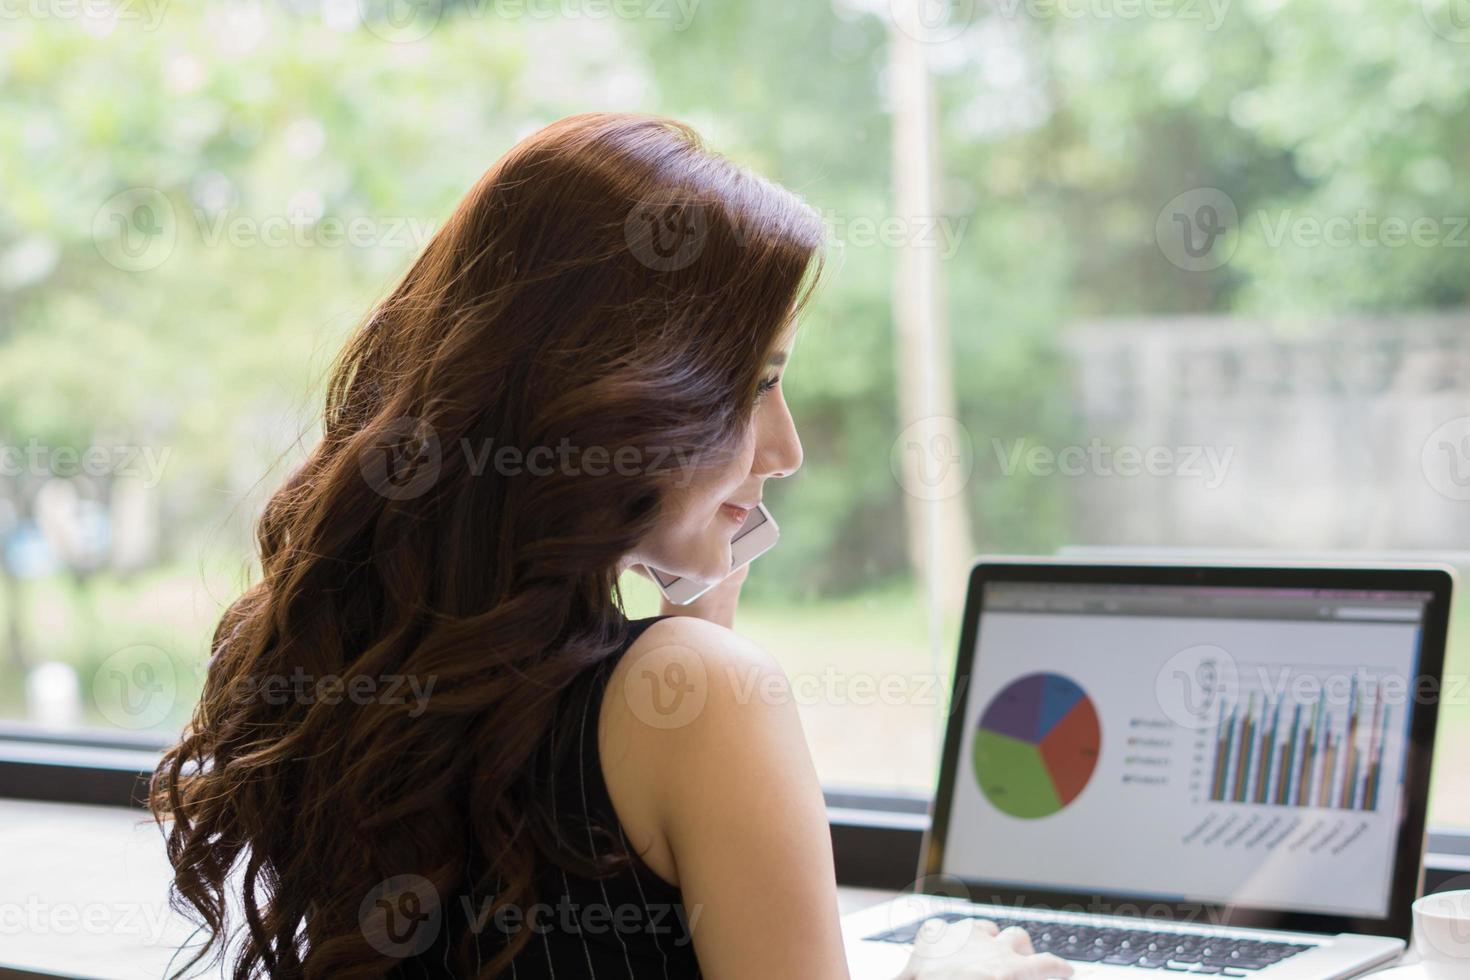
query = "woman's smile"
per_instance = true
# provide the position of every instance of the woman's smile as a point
(735, 512)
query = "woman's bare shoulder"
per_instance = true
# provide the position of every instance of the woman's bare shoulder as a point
(686, 695)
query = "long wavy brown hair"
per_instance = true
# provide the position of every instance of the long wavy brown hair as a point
(609, 284)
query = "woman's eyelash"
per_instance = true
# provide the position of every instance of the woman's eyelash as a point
(767, 384)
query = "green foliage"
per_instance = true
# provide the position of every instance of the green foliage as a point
(1061, 139)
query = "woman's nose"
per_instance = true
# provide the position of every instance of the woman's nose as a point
(778, 452)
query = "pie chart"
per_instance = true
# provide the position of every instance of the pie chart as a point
(1036, 745)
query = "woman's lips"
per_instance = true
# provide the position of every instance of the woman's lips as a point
(736, 514)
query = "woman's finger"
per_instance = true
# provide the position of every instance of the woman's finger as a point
(986, 926)
(939, 939)
(1045, 966)
(1018, 939)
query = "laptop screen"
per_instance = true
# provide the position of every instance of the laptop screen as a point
(1242, 746)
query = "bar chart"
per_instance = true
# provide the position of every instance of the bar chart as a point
(1301, 752)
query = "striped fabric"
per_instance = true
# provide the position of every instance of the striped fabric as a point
(631, 925)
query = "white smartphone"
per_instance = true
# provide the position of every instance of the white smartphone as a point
(756, 536)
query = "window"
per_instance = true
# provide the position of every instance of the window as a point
(1228, 238)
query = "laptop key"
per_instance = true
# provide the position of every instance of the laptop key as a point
(1206, 954)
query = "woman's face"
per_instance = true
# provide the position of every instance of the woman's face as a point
(693, 542)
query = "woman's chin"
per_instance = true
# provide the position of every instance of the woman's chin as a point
(714, 571)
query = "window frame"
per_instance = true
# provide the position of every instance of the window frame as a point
(876, 836)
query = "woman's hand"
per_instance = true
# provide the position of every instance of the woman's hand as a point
(717, 605)
(977, 949)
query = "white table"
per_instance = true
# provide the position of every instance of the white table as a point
(83, 894)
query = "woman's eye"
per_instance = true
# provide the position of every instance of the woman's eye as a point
(767, 385)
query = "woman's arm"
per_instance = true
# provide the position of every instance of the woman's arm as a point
(708, 767)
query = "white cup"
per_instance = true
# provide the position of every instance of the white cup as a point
(1442, 935)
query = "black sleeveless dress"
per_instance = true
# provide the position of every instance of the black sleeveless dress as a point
(631, 925)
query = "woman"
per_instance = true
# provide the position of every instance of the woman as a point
(403, 762)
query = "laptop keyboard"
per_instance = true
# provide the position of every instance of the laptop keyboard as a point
(1166, 951)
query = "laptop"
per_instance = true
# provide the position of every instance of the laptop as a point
(1168, 769)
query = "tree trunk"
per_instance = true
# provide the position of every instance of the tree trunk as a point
(932, 438)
